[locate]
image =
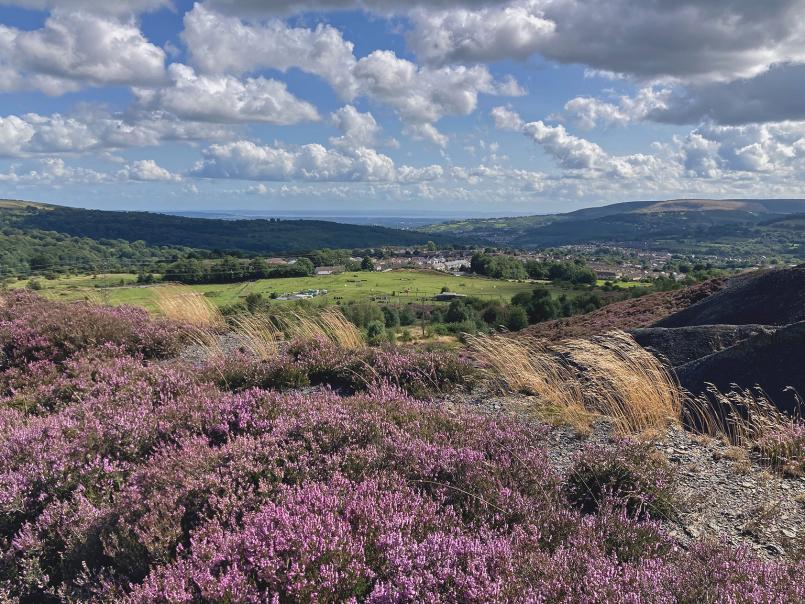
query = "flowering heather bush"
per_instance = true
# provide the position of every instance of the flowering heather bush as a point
(632, 475)
(34, 329)
(128, 481)
(319, 362)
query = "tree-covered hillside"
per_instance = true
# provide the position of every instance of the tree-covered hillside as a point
(271, 236)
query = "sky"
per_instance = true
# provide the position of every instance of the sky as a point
(399, 107)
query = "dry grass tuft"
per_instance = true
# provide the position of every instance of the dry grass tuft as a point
(202, 318)
(184, 305)
(329, 323)
(581, 379)
(747, 418)
(622, 380)
(258, 335)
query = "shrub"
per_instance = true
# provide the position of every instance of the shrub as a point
(138, 482)
(376, 333)
(629, 474)
(34, 329)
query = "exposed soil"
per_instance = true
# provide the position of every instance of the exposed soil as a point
(727, 494)
(771, 297)
(680, 345)
(773, 360)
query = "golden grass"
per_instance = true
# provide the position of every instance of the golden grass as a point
(739, 416)
(184, 305)
(258, 335)
(329, 323)
(579, 380)
(201, 317)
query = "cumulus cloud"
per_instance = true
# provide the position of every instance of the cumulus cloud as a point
(221, 98)
(688, 40)
(421, 96)
(77, 49)
(589, 112)
(573, 153)
(247, 160)
(90, 130)
(712, 151)
(357, 129)
(219, 43)
(506, 119)
(149, 171)
(489, 34)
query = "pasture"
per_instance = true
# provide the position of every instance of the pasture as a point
(400, 286)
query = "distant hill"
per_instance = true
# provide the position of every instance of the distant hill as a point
(250, 236)
(720, 227)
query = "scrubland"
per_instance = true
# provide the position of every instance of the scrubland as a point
(284, 461)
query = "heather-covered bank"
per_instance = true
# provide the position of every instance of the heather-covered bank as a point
(128, 476)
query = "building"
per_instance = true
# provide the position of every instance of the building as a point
(328, 270)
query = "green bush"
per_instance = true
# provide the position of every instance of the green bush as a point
(375, 333)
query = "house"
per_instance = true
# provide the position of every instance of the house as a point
(328, 270)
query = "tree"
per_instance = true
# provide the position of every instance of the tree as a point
(391, 317)
(367, 264)
(431, 246)
(458, 312)
(516, 318)
(305, 266)
(375, 333)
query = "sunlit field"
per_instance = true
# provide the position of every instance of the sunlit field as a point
(400, 286)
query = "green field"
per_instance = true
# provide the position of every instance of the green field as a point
(396, 286)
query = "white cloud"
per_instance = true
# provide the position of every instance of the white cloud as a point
(357, 129)
(589, 112)
(94, 6)
(77, 49)
(575, 154)
(147, 170)
(221, 98)
(220, 44)
(421, 96)
(93, 130)
(506, 119)
(249, 161)
(489, 34)
(713, 151)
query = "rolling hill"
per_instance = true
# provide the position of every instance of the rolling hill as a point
(719, 227)
(270, 236)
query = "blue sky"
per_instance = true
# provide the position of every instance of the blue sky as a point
(437, 106)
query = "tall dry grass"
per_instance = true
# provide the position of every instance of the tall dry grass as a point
(748, 418)
(201, 317)
(182, 304)
(329, 323)
(258, 335)
(578, 380)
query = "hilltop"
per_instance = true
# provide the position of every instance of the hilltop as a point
(266, 236)
(720, 227)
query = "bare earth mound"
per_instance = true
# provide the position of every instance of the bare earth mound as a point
(774, 297)
(627, 314)
(772, 360)
(680, 345)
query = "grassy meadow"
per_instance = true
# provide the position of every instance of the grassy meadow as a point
(395, 286)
